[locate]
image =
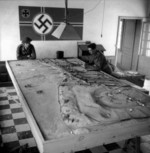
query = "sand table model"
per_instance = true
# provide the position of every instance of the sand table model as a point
(63, 101)
(86, 105)
(83, 106)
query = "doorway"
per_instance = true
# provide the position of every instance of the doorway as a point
(128, 43)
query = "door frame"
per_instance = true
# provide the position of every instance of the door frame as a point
(118, 32)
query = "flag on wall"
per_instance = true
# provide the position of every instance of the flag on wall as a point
(40, 22)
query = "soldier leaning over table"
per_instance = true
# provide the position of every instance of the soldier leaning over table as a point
(96, 60)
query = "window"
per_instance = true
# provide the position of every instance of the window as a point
(145, 46)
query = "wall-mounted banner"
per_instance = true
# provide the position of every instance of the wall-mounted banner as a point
(41, 23)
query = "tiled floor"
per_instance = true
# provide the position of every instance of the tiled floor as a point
(15, 130)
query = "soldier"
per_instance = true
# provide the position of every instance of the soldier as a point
(97, 60)
(26, 50)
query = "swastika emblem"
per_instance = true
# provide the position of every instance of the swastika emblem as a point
(43, 24)
(25, 13)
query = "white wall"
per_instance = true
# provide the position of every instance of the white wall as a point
(93, 10)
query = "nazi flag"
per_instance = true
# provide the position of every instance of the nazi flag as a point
(40, 22)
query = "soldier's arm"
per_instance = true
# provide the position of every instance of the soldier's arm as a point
(99, 62)
(33, 53)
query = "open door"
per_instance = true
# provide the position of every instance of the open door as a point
(128, 43)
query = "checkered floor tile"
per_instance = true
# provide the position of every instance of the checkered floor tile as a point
(15, 130)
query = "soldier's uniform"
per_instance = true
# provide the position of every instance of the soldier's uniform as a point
(26, 50)
(25, 53)
(98, 61)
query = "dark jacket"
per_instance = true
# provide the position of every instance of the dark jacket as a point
(98, 60)
(23, 53)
